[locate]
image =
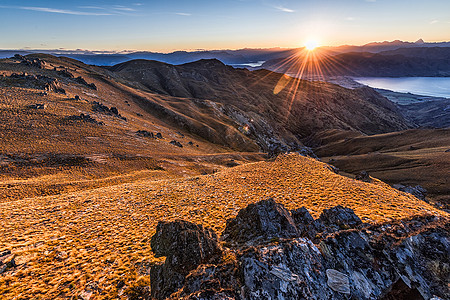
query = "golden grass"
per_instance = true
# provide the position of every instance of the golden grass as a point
(88, 241)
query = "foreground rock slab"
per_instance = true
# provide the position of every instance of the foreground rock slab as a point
(272, 253)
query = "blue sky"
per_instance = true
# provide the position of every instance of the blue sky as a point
(227, 24)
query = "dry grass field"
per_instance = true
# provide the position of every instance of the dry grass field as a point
(96, 242)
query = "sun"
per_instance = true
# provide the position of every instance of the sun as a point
(311, 45)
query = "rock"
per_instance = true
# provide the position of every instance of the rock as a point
(363, 176)
(231, 163)
(101, 108)
(417, 191)
(77, 97)
(263, 220)
(145, 133)
(114, 110)
(84, 118)
(190, 143)
(405, 259)
(446, 151)
(304, 222)
(176, 143)
(340, 217)
(186, 246)
(37, 106)
(159, 135)
(338, 281)
(65, 73)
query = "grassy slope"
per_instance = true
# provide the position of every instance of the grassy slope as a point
(409, 157)
(100, 237)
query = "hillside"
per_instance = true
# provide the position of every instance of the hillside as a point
(413, 157)
(275, 108)
(96, 242)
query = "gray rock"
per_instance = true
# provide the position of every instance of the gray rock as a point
(263, 220)
(363, 176)
(185, 246)
(340, 218)
(338, 281)
(406, 259)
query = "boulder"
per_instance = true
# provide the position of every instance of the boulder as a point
(185, 246)
(417, 191)
(263, 220)
(340, 217)
(363, 176)
(176, 143)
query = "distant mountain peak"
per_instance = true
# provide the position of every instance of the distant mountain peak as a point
(419, 41)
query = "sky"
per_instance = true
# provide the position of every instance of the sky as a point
(169, 25)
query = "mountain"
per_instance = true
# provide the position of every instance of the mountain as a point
(402, 62)
(237, 58)
(261, 104)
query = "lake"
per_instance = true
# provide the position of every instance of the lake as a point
(426, 86)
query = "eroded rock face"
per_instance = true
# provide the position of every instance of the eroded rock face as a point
(185, 246)
(407, 259)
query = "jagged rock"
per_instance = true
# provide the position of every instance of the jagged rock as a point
(363, 176)
(113, 111)
(417, 191)
(340, 217)
(176, 143)
(338, 281)
(263, 220)
(77, 97)
(145, 133)
(159, 135)
(304, 222)
(185, 245)
(406, 259)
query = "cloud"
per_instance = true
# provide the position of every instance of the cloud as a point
(284, 9)
(350, 19)
(183, 14)
(371, 0)
(434, 21)
(122, 8)
(58, 11)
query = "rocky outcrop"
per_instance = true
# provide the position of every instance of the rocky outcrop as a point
(260, 222)
(101, 108)
(417, 191)
(271, 256)
(185, 246)
(84, 118)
